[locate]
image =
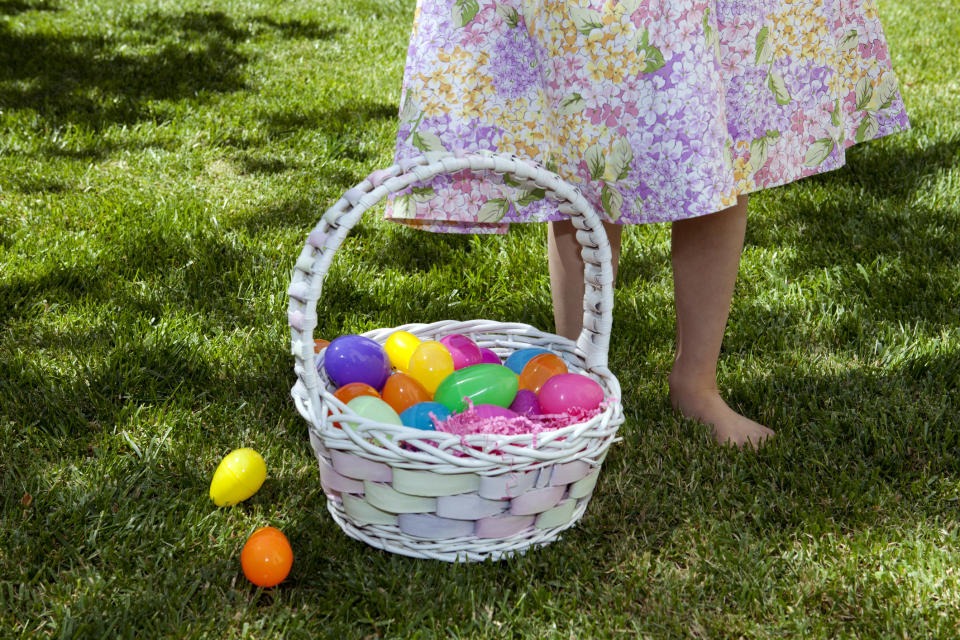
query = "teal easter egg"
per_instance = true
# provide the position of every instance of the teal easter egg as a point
(418, 415)
(517, 360)
(482, 383)
(373, 409)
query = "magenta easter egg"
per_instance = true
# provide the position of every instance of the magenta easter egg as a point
(526, 403)
(356, 359)
(465, 351)
(489, 356)
(567, 391)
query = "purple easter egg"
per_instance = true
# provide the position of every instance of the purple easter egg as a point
(356, 359)
(493, 411)
(465, 351)
(526, 403)
(567, 391)
(489, 356)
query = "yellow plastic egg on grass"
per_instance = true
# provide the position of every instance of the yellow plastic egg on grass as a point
(238, 476)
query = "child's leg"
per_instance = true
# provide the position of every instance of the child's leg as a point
(706, 258)
(566, 273)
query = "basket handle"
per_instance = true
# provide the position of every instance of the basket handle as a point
(332, 229)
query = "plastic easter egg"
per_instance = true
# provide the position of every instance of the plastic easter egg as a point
(400, 347)
(482, 383)
(238, 476)
(489, 356)
(356, 359)
(464, 351)
(373, 409)
(348, 392)
(266, 557)
(430, 364)
(526, 403)
(539, 369)
(418, 416)
(318, 346)
(493, 411)
(569, 391)
(517, 360)
(402, 391)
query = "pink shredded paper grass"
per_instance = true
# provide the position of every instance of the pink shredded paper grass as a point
(469, 422)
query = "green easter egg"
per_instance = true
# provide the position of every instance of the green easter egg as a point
(374, 409)
(482, 383)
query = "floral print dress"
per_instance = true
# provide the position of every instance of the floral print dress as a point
(658, 110)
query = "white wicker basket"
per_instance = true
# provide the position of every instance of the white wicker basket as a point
(436, 495)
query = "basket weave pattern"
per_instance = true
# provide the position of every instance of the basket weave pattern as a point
(437, 495)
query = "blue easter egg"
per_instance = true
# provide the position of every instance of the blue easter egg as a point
(418, 415)
(517, 360)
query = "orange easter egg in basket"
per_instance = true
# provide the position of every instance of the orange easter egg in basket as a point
(351, 390)
(539, 369)
(402, 392)
(266, 557)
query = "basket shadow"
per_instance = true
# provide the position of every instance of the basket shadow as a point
(658, 492)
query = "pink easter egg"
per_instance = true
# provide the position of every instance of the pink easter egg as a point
(526, 403)
(567, 391)
(465, 351)
(493, 411)
(489, 356)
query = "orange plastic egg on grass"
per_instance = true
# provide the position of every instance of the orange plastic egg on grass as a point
(402, 392)
(539, 369)
(266, 557)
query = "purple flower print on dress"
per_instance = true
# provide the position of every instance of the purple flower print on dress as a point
(461, 134)
(764, 113)
(808, 84)
(514, 65)
(745, 8)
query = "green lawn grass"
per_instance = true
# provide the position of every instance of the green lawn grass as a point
(160, 166)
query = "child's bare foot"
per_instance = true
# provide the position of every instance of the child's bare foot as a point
(727, 425)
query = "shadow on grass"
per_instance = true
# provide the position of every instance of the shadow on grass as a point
(15, 7)
(356, 114)
(98, 80)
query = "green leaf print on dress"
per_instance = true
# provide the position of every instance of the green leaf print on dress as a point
(464, 11)
(612, 201)
(510, 15)
(819, 151)
(427, 141)
(586, 20)
(653, 57)
(493, 210)
(850, 40)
